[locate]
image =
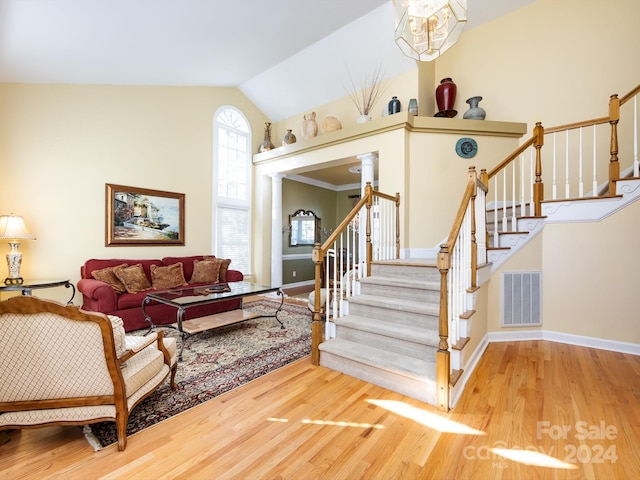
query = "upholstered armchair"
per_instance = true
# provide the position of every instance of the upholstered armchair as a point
(60, 365)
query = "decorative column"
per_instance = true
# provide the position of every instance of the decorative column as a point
(368, 160)
(276, 229)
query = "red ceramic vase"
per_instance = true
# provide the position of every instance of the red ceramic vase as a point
(446, 95)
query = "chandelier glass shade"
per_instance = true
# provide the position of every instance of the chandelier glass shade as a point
(425, 29)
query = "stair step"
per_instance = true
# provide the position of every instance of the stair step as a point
(400, 373)
(427, 336)
(455, 376)
(417, 342)
(414, 306)
(406, 269)
(402, 282)
(397, 311)
(427, 290)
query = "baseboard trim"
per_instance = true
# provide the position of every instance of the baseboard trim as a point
(582, 341)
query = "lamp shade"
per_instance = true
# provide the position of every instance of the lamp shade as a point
(425, 29)
(12, 227)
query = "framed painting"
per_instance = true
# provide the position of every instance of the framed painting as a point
(141, 216)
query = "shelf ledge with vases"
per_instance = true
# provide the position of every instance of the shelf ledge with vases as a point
(402, 120)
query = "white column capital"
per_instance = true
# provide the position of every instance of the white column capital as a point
(277, 177)
(367, 158)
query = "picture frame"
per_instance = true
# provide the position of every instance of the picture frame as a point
(142, 216)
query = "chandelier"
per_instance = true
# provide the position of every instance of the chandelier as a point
(425, 29)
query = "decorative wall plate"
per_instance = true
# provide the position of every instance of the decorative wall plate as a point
(466, 147)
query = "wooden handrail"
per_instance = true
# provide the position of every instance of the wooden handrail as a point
(320, 251)
(494, 171)
(573, 126)
(630, 95)
(462, 209)
(443, 360)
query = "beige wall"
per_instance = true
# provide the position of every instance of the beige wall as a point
(588, 274)
(555, 61)
(590, 277)
(60, 144)
(403, 86)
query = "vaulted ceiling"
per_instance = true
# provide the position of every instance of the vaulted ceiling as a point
(285, 55)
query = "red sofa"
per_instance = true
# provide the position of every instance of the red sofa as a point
(98, 296)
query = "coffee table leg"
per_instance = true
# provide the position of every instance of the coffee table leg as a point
(179, 318)
(281, 293)
(146, 315)
(73, 291)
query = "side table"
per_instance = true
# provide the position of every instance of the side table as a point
(29, 285)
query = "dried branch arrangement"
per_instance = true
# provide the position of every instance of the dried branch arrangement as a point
(367, 93)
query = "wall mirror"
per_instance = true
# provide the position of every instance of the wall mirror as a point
(304, 228)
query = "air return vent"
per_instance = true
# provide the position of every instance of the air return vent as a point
(522, 298)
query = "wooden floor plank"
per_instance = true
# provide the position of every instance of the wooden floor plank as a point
(306, 422)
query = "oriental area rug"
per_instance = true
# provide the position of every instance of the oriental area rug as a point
(217, 361)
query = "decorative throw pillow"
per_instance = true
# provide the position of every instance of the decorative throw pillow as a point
(205, 271)
(224, 266)
(106, 275)
(133, 278)
(167, 277)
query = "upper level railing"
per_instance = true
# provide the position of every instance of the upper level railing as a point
(516, 189)
(372, 227)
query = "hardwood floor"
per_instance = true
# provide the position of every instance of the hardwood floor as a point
(557, 411)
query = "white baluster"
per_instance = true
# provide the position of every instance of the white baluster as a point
(505, 226)
(595, 165)
(523, 189)
(636, 166)
(532, 180)
(495, 212)
(580, 182)
(514, 196)
(566, 173)
(554, 188)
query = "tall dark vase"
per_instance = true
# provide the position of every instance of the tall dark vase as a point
(394, 106)
(446, 98)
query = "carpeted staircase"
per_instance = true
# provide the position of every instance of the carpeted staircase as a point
(390, 335)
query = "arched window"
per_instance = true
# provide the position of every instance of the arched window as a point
(232, 188)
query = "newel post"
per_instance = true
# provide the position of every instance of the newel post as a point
(317, 325)
(368, 192)
(614, 165)
(443, 360)
(538, 186)
(473, 177)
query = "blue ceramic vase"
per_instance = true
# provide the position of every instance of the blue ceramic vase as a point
(475, 112)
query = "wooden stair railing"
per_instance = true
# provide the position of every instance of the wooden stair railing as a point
(458, 261)
(575, 151)
(505, 196)
(381, 241)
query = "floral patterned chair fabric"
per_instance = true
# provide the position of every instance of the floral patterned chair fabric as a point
(60, 365)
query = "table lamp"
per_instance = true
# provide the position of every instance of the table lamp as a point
(12, 227)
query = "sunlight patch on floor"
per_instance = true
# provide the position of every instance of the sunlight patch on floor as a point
(330, 423)
(426, 418)
(530, 457)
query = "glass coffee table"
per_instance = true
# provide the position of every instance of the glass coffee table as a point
(187, 297)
